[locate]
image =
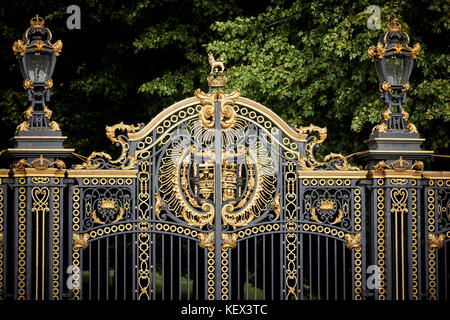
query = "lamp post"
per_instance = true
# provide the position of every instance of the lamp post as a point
(38, 136)
(394, 61)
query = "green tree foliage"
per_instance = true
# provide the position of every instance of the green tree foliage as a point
(306, 60)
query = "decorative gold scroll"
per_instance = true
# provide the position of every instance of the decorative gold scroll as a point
(341, 164)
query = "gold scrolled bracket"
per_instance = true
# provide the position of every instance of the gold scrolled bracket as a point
(340, 164)
(111, 135)
(80, 241)
(1, 240)
(229, 240)
(353, 241)
(206, 240)
(89, 165)
(436, 241)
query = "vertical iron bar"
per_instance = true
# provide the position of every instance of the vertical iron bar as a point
(163, 267)
(154, 265)
(335, 270)
(246, 268)
(271, 267)
(115, 267)
(238, 270)
(310, 269)
(256, 268)
(264, 267)
(179, 267)
(326, 268)
(125, 266)
(318, 267)
(107, 268)
(344, 267)
(90, 272)
(171, 267)
(196, 271)
(188, 268)
(99, 242)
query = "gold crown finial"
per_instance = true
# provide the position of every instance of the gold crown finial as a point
(37, 22)
(394, 26)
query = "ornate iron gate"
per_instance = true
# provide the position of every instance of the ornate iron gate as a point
(216, 198)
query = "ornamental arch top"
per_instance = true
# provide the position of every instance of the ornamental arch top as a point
(218, 198)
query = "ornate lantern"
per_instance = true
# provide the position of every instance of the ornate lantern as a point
(38, 137)
(394, 61)
(37, 59)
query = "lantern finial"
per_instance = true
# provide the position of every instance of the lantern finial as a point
(394, 26)
(37, 22)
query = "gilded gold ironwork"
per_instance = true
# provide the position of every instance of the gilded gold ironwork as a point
(228, 114)
(276, 205)
(382, 128)
(107, 203)
(217, 76)
(353, 240)
(229, 240)
(291, 237)
(406, 87)
(80, 241)
(158, 204)
(24, 126)
(436, 241)
(386, 86)
(28, 84)
(400, 164)
(48, 84)
(37, 22)
(54, 126)
(89, 165)
(206, 240)
(378, 52)
(48, 112)
(29, 112)
(417, 165)
(19, 48)
(412, 128)
(338, 161)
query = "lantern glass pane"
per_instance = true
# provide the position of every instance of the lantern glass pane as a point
(38, 67)
(397, 69)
